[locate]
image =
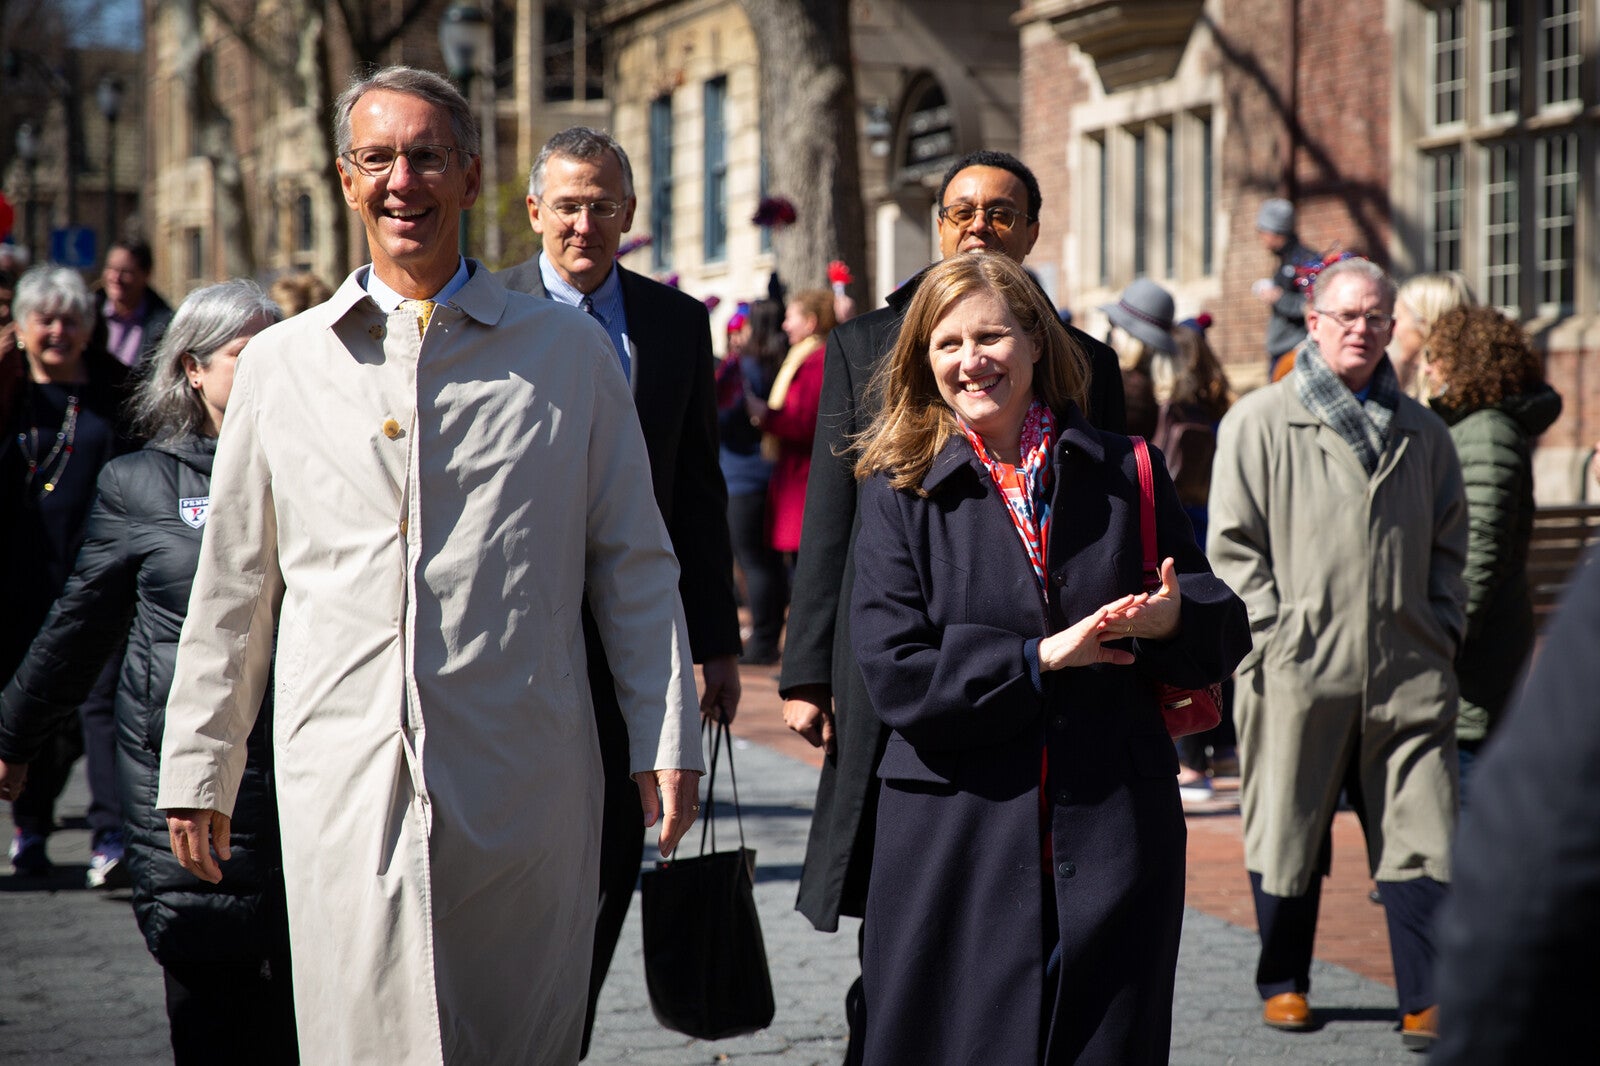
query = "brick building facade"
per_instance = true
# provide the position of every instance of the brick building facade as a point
(1427, 134)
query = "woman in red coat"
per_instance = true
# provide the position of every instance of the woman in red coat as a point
(788, 418)
(1027, 879)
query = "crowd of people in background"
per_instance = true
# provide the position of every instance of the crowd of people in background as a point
(1344, 551)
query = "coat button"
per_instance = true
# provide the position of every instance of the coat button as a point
(1066, 869)
(1058, 722)
(1063, 796)
(375, 332)
(391, 428)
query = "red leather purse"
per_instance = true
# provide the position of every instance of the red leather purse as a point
(1185, 710)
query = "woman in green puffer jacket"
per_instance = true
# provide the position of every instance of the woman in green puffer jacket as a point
(1489, 388)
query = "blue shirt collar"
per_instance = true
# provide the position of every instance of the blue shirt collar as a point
(389, 301)
(607, 297)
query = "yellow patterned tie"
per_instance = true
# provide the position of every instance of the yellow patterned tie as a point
(423, 309)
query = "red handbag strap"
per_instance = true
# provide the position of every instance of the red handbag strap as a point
(1147, 513)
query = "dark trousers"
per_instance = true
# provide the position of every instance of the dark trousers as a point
(1288, 925)
(94, 736)
(621, 844)
(235, 1014)
(855, 1008)
(766, 583)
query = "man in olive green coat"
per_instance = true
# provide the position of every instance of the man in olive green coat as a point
(1337, 514)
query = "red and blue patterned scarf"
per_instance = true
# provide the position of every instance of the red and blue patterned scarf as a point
(1029, 509)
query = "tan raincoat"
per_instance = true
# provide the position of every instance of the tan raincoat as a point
(1357, 606)
(430, 517)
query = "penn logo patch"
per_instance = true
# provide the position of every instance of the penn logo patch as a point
(193, 510)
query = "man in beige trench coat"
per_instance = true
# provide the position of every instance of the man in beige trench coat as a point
(420, 498)
(1338, 515)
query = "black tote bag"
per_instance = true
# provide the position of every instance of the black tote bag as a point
(705, 964)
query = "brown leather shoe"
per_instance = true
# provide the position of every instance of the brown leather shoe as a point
(1418, 1031)
(1288, 1011)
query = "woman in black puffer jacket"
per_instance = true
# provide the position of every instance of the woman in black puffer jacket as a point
(224, 948)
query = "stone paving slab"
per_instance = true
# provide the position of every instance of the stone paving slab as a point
(78, 985)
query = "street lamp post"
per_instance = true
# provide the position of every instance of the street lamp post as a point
(109, 96)
(28, 152)
(462, 31)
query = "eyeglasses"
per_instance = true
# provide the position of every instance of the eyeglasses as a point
(378, 160)
(1001, 218)
(1375, 320)
(569, 210)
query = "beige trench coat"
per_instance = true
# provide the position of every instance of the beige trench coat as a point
(1357, 606)
(431, 516)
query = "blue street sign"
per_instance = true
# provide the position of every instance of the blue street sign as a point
(73, 246)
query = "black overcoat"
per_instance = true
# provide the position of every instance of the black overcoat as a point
(132, 579)
(946, 618)
(817, 644)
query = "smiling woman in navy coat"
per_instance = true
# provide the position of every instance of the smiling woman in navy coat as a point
(1027, 887)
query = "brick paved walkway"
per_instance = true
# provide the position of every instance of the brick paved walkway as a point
(80, 988)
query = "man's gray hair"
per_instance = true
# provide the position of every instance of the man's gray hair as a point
(166, 407)
(584, 143)
(436, 89)
(51, 289)
(1361, 268)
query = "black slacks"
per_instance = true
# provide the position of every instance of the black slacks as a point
(92, 734)
(621, 829)
(765, 579)
(1288, 924)
(233, 1014)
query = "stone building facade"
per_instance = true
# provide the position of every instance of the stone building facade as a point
(935, 79)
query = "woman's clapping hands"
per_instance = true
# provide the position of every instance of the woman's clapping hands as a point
(1147, 616)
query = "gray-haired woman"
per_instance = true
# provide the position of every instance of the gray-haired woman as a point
(58, 414)
(224, 947)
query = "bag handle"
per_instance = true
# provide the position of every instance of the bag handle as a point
(1147, 513)
(719, 733)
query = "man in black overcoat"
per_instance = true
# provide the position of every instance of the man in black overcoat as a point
(824, 698)
(581, 202)
(1520, 930)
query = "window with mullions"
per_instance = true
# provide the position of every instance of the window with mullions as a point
(1560, 55)
(661, 182)
(1503, 66)
(1153, 204)
(1556, 219)
(1141, 205)
(1498, 166)
(1447, 53)
(716, 160)
(1502, 246)
(1444, 210)
(1103, 216)
(1208, 198)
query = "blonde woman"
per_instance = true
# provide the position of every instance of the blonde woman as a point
(1417, 307)
(1026, 893)
(788, 416)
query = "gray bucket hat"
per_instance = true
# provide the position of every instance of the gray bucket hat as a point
(1145, 310)
(1276, 216)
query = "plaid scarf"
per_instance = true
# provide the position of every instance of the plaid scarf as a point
(1364, 426)
(1029, 510)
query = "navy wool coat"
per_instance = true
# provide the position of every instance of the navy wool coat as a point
(947, 617)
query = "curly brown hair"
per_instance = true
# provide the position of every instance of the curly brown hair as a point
(1483, 357)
